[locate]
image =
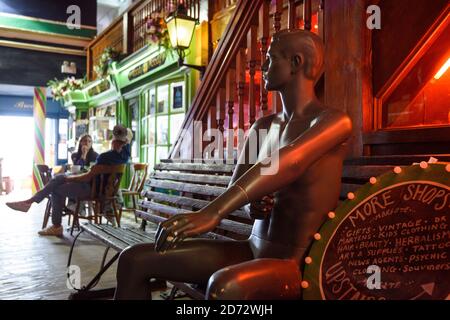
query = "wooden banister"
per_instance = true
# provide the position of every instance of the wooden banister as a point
(251, 58)
(277, 15)
(228, 95)
(292, 14)
(240, 88)
(234, 35)
(307, 14)
(264, 41)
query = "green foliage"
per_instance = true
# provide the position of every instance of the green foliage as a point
(109, 55)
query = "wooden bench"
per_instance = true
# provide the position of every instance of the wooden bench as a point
(178, 187)
(172, 188)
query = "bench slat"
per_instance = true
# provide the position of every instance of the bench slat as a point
(395, 160)
(365, 172)
(196, 167)
(195, 204)
(148, 216)
(186, 187)
(127, 235)
(225, 224)
(119, 239)
(190, 177)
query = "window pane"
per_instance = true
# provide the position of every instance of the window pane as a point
(176, 121)
(151, 131)
(422, 96)
(162, 127)
(134, 112)
(152, 101)
(101, 124)
(161, 153)
(163, 98)
(151, 157)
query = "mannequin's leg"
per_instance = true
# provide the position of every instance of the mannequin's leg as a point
(192, 261)
(259, 279)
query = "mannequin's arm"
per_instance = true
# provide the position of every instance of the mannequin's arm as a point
(292, 161)
(332, 129)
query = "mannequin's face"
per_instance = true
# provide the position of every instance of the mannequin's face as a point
(277, 68)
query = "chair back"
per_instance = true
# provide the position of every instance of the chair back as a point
(105, 181)
(139, 176)
(45, 173)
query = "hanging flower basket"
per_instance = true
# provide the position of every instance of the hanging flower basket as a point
(60, 87)
(157, 33)
(109, 55)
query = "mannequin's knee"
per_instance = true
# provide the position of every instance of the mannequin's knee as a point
(129, 258)
(223, 285)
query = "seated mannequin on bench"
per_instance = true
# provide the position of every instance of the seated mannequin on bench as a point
(311, 149)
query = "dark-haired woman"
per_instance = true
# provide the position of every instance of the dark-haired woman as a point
(85, 154)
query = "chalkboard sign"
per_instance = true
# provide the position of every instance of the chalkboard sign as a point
(391, 241)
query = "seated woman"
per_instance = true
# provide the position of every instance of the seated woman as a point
(62, 186)
(85, 154)
(83, 158)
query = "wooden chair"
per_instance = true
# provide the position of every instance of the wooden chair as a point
(46, 174)
(135, 188)
(105, 182)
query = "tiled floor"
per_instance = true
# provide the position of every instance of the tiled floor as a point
(34, 267)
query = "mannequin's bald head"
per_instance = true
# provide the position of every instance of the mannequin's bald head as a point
(304, 44)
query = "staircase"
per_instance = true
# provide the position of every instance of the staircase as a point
(231, 96)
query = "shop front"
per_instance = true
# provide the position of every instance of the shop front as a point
(93, 110)
(155, 94)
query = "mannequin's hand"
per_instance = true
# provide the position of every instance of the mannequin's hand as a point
(181, 226)
(260, 209)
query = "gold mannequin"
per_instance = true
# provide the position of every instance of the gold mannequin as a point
(305, 188)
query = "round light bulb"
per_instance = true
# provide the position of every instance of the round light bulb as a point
(351, 195)
(305, 284)
(317, 236)
(424, 165)
(308, 260)
(397, 170)
(331, 215)
(373, 180)
(447, 168)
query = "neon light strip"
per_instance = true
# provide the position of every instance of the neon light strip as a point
(442, 69)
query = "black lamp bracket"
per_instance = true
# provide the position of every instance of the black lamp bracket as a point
(181, 63)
